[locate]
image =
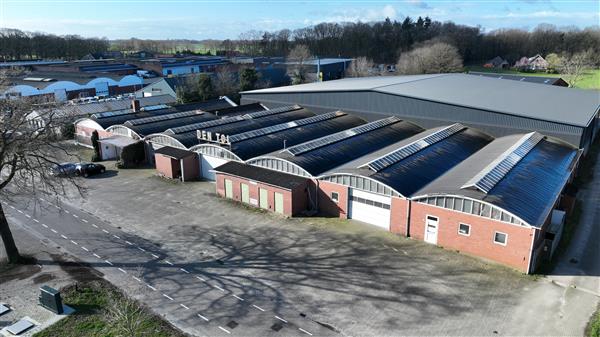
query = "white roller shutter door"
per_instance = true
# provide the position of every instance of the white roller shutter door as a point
(370, 208)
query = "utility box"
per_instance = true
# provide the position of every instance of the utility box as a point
(50, 299)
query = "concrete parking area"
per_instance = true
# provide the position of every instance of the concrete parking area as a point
(352, 278)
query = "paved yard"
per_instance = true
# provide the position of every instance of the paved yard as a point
(354, 278)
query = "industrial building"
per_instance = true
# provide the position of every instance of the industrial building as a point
(547, 80)
(498, 107)
(498, 198)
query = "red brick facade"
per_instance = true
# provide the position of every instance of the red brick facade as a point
(171, 168)
(295, 201)
(480, 242)
(83, 134)
(399, 215)
(329, 207)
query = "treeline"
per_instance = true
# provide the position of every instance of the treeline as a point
(19, 45)
(385, 41)
(163, 46)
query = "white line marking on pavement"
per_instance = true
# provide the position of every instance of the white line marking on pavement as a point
(306, 332)
(105, 231)
(151, 287)
(396, 250)
(239, 298)
(220, 327)
(96, 255)
(44, 225)
(20, 211)
(84, 220)
(204, 318)
(142, 249)
(56, 206)
(200, 278)
(64, 237)
(73, 242)
(82, 247)
(53, 231)
(169, 263)
(137, 279)
(183, 270)
(108, 262)
(281, 319)
(123, 271)
(94, 225)
(257, 307)
(184, 306)
(167, 296)
(155, 256)
(116, 236)
(129, 243)
(27, 215)
(36, 220)
(67, 212)
(75, 215)
(219, 288)
(11, 206)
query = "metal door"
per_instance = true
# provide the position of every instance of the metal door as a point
(278, 203)
(431, 229)
(245, 193)
(263, 198)
(228, 188)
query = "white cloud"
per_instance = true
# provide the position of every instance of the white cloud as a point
(545, 14)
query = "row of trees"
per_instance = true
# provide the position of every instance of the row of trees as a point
(384, 42)
(18, 45)
(225, 82)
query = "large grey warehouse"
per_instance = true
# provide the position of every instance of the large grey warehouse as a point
(496, 106)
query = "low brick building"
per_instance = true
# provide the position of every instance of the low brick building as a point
(177, 163)
(278, 192)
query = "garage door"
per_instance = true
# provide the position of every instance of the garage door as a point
(370, 208)
(208, 163)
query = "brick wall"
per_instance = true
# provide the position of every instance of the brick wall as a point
(480, 242)
(83, 134)
(399, 215)
(191, 168)
(289, 208)
(328, 206)
(164, 165)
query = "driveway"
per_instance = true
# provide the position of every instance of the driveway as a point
(349, 277)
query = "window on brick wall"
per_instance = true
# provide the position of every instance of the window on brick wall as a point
(500, 238)
(464, 229)
(335, 196)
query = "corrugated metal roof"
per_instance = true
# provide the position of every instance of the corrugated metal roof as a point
(238, 110)
(113, 105)
(271, 142)
(528, 190)
(162, 125)
(327, 157)
(522, 78)
(549, 103)
(280, 179)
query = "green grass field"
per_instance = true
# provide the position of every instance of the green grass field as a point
(591, 80)
(93, 319)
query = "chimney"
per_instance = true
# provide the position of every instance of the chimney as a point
(135, 105)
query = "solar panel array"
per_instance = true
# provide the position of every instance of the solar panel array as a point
(229, 120)
(497, 170)
(154, 107)
(284, 126)
(100, 115)
(336, 137)
(270, 112)
(414, 147)
(166, 117)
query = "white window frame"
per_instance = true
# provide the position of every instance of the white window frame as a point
(505, 238)
(337, 197)
(468, 232)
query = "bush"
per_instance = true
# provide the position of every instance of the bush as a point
(593, 328)
(67, 131)
(132, 155)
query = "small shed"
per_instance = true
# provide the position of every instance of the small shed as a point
(177, 163)
(111, 147)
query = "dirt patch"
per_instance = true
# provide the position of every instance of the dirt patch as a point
(43, 278)
(78, 270)
(9, 272)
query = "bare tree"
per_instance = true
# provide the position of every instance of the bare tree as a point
(433, 58)
(226, 83)
(573, 67)
(361, 67)
(29, 150)
(297, 67)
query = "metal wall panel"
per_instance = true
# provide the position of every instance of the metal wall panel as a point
(375, 105)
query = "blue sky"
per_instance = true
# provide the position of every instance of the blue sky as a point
(198, 19)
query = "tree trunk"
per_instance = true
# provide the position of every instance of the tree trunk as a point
(7, 238)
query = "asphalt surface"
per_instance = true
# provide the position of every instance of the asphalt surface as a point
(186, 294)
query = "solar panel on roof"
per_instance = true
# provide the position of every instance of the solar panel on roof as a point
(154, 107)
(498, 169)
(204, 125)
(284, 126)
(336, 137)
(107, 114)
(279, 110)
(414, 147)
(166, 117)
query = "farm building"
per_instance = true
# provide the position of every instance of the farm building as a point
(496, 107)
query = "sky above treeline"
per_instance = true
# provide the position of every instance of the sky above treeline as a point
(198, 19)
